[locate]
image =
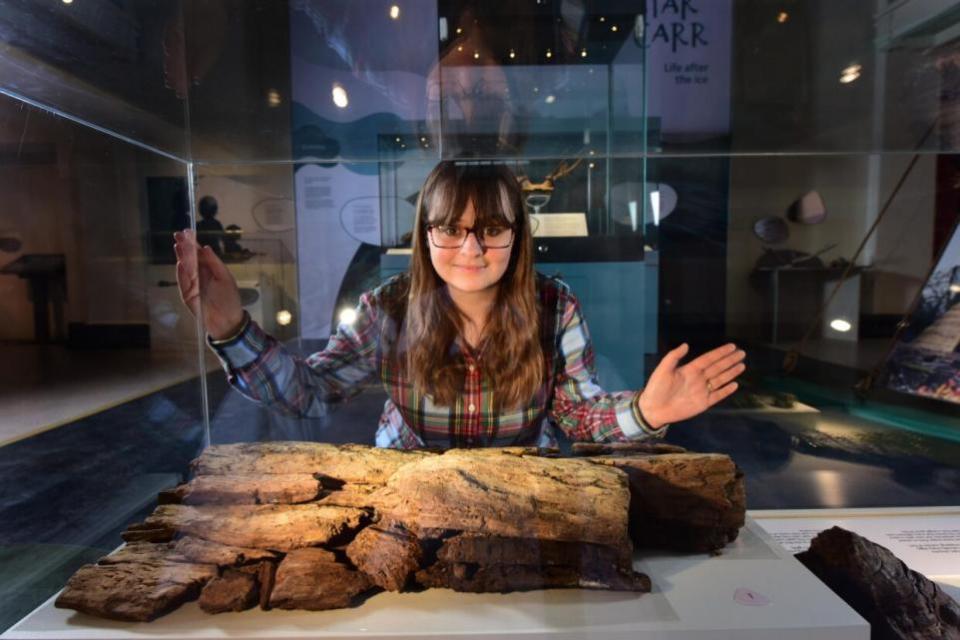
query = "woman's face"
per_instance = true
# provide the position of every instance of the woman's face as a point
(470, 269)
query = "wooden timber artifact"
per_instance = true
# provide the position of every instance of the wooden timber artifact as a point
(299, 525)
(899, 603)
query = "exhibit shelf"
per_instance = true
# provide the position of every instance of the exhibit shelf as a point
(754, 589)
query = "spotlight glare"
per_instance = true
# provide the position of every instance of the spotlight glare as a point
(340, 96)
(348, 316)
(284, 317)
(394, 12)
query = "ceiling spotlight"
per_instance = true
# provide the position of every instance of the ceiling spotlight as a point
(67, 1)
(459, 29)
(398, 139)
(476, 55)
(284, 317)
(782, 17)
(394, 12)
(550, 99)
(273, 98)
(583, 53)
(603, 19)
(348, 316)
(340, 96)
(459, 47)
(841, 325)
(850, 73)
(592, 165)
(613, 28)
(549, 53)
(512, 54)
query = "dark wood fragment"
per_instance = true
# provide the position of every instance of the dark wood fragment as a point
(387, 557)
(623, 448)
(174, 495)
(495, 550)
(683, 501)
(142, 532)
(134, 591)
(233, 591)
(899, 603)
(266, 577)
(312, 579)
(505, 578)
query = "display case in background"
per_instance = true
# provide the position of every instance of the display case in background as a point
(782, 175)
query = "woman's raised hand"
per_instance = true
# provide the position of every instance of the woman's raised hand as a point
(205, 282)
(676, 392)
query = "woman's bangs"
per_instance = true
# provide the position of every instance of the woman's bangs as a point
(492, 204)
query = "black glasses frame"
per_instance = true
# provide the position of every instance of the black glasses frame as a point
(477, 233)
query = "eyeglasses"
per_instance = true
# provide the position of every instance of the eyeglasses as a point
(450, 237)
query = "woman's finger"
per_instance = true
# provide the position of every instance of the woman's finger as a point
(724, 363)
(711, 357)
(721, 394)
(717, 381)
(674, 356)
(213, 262)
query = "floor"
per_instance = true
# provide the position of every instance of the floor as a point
(67, 492)
(45, 386)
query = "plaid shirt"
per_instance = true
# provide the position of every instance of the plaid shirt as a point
(570, 398)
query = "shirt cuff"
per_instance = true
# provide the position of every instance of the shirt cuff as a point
(632, 423)
(242, 349)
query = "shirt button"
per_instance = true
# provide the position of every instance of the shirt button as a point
(472, 408)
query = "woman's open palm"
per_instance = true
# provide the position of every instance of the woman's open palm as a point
(676, 392)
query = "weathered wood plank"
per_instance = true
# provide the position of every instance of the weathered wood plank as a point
(269, 527)
(134, 591)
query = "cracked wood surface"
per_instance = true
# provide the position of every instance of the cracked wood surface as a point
(316, 526)
(270, 527)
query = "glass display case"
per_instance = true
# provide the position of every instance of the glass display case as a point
(783, 175)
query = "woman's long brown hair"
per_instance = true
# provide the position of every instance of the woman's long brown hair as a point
(512, 356)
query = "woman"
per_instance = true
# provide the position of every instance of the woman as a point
(472, 346)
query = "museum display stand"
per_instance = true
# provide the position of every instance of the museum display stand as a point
(754, 589)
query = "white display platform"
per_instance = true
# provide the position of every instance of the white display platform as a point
(754, 589)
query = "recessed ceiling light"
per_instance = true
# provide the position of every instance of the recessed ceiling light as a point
(841, 325)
